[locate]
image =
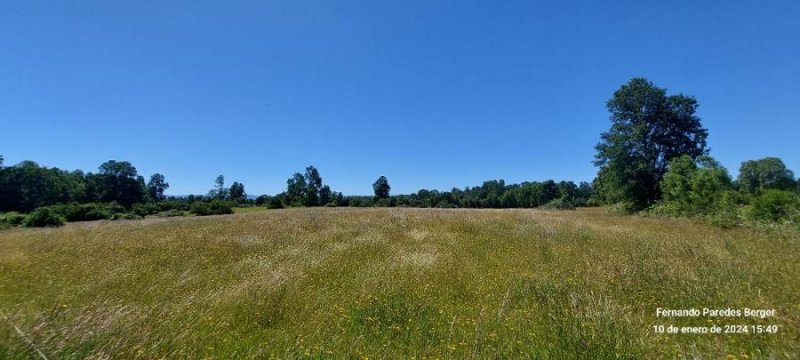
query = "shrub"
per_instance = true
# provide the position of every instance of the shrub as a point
(12, 218)
(274, 203)
(125, 216)
(215, 207)
(200, 208)
(85, 212)
(443, 204)
(220, 207)
(622, 208)
(775, 206)
(44, 216)
(173, 205)
(116, 208)
(144, 209)
(559, 204)
(727, 212)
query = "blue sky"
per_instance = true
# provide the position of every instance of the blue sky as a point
(431, 94)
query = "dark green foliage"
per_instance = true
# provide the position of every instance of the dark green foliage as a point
(325, 195)
(308, 190)
(295, 188)
(84, 212)
(26, 186)
(145, 209)
(313, 185)
(156, 187)
(648, 130)
(200, 208)
(117, 182)
(491, 194)
(274, 203)
(236, 192)
(775, 206)
(381, 188)
(756, 176)
(125, 216)
(12, 218)
(445, 205)
(44, 216)
(559, 204)
(214, 207)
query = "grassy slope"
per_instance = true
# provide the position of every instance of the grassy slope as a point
(369, 282)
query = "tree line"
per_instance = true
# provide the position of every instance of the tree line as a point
(653, 160)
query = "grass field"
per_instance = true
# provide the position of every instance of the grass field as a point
(411, 283)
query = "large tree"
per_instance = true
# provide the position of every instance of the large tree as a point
(236, 192)
(381, 188)
(648, 129)
(118, 181)
(156, 187)
(313, 186)
(755, 176)
(295, 187)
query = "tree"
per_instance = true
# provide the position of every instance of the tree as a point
(381, 188)
(236, 192)
(295, 187)
(219, 191)
(156, 187)
(325, 195)
(1, 161)
(118, 181)
(313, 187)
(755, 176)
(26, 186)
(694, 187)
(648, 130)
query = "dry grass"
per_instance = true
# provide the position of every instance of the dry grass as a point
(420, 283)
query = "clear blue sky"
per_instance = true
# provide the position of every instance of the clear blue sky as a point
(432, 94)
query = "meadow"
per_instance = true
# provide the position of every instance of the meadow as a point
(391, 283)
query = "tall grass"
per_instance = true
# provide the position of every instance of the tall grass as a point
(422, 283)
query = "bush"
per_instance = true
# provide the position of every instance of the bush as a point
(622, 208)
(44, 216)
(12, 218)
(173, 205)
(274, 203)
(727, 212)
(125, 216)
(559, 204)
(775, 206)
(84, 212)
(200, 208)
(445, 205)
(115, 208)
(144, 209)
(215, 207)
(221, 207)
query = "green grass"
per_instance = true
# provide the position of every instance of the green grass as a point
(421, 283)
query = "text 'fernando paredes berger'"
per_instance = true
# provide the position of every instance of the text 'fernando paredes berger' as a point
(745, 312)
